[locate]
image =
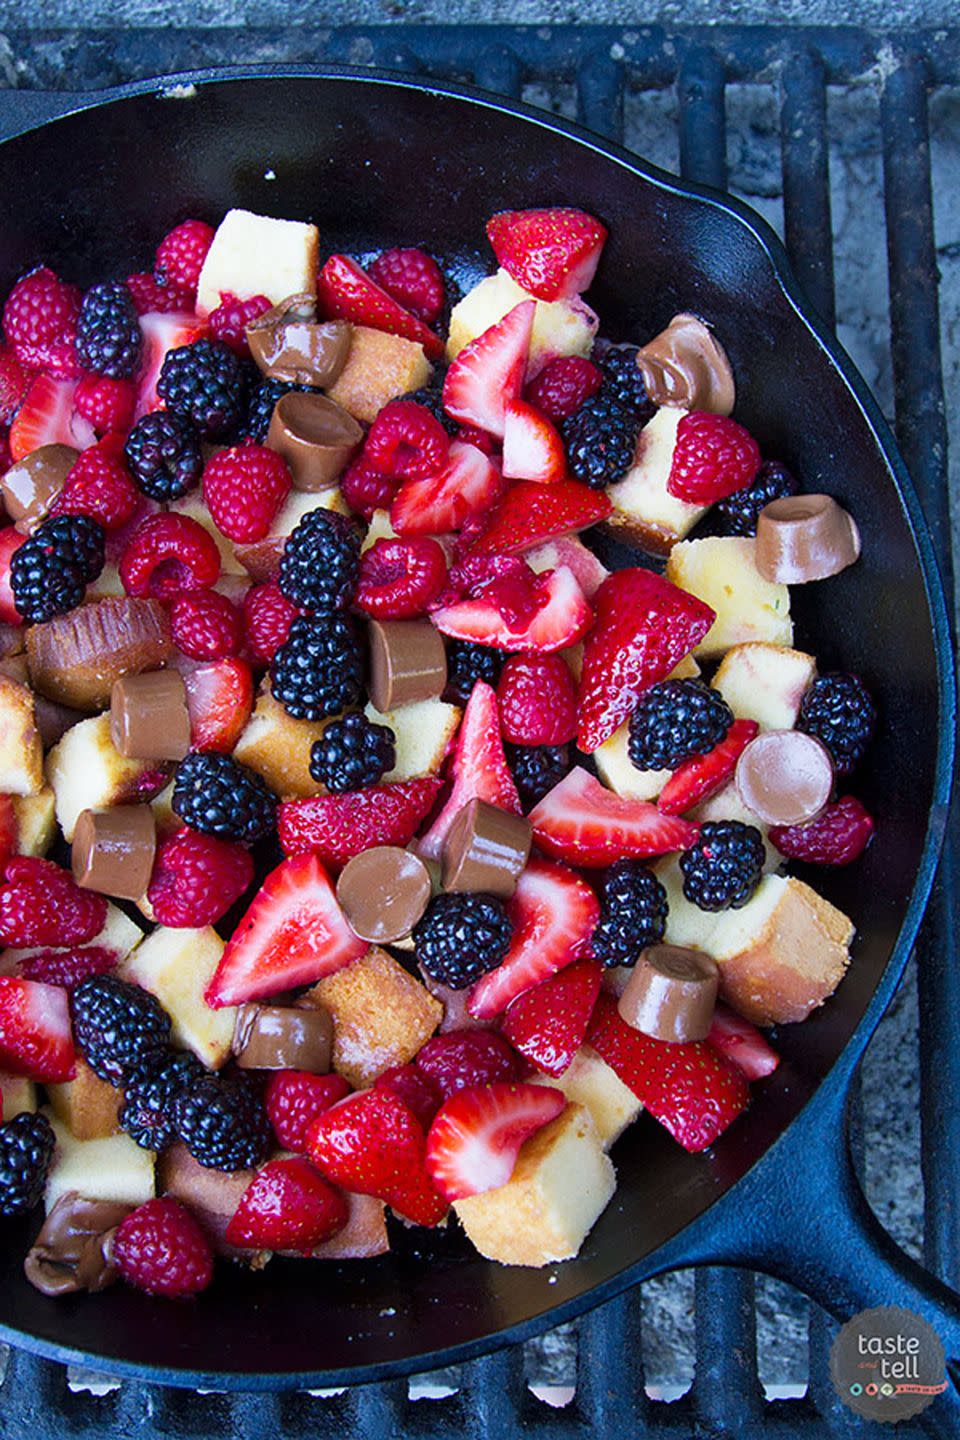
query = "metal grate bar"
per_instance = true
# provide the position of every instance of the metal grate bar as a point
(726, 1381)
(498, 68)
(494, 1394)
(600, 95)
(806, 179)
(703, 124)
(610, 1394)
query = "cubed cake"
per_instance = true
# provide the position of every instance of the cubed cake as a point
(721, 570)
(379, 368)
(21, 749)
(177, 965)
(560, 327)
(644, 511)
(589, 1081)
(424, 732)
(765, 682)
(87, 1105)
(258, 255)
(277, 747)
(18, 1093)
(112, 1168)
(88, 773)
(36, 821)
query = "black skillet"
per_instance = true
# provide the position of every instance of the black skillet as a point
(378, 160)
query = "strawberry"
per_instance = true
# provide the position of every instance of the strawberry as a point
(560, 618)
(345, 292)
(713, 457)
(538, 700)
(702, 775)
(161, 334)
(287, 1206)
(219, 699)
(479, 769)
(582, 822)
(467, 483)
(9, 830)
(293, 933)
(547, 1024)
(10, 540)
(35, 1035)
(531, 514)
(294, 1099)
(532, 447)
(742, 1044)
(415, 1088)
(463, 1059)
(838, 836)
(552, 253)
(644, 627)
(553, 913)
(47, 417)
(692, 1090)
(474, 1142)
(488, 373)
(337, 827)
(569, 551)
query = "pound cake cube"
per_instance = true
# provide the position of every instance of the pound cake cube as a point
(364, 1235)
(21, 749)
(765, 682)
(258, 255)
(424, 732)
(19, 1094)
(88, 773)
(562, 1181)
(87, 1105)
(721, 570)
(177, 965)
(112, 1168)
(36, 821)
(379, 368)
(119, 935)
(589, 1081)
(560, 327)
(277, 747)
(644, 511)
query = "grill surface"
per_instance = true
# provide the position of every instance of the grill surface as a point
(606, 65)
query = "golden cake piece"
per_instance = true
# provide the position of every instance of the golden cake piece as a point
(176, 965)
(112, 1168)
(379, 368)
(18, 1093)
(424, 732)
(210, 1195)
(87, 1105)
(21, 749)
(88, 773)
(560, 327)
(589, 1081)
(258, 255)
(363, 1236)
(644, 511)
(277, 747)
(765, 682)
(36, 821)
(721, 570)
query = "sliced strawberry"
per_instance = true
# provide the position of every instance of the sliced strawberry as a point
(742, 1044)
(569, 551)
(47, 417)
(562, 616)
(337, 827)
(702, 775)
(468, 483)
(9, 831)
(287, 1206)
(479, 768)
(219, 699)
(488, 373)
(552, 253)
(553, 913)
(582, 822)
(161, 334)
(548, 1024)
(532, 447)
(474, 1142)
(293, 933)
(345, 292)
(35, 1035)
(10, 540)
(531, 514)
(693, 1091)
(645, 626)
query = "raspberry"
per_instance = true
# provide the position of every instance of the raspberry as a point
(464, 1059)
(98, 485)
(482, 440)
(180, 255)
(415, 1088)
(160, 1248)
(366, 489)
(229, 321)
(244, 488)
(838, 836)
(40, 323)
(713, 457)
(196, 878)
(6, 459)
(206, 625)
(400, 578)
(168, 554)
(267, 617)
(13, 385)
(563, 386)
(107, 404)
(294, 1099)
(151, 298)
(68, 967)
(287, 1206)
(414, 279)
(41, 905)
(406, 442)
(538, 700)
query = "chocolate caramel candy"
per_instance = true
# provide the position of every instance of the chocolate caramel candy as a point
(805, 537)
(671, 994)
(785, 777)
(30, 485)
(685, 366)
(113, 850)
(383, 892)
(485, 850)
(149, 719)
(407, 662)
(72, 1251)
(288, 343)
(315, 436)
(278, 1037)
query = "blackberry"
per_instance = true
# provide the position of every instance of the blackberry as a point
(461, 937)
(318, 670)
(320, 562)
(674, 720)
(120, 1029)
(260, 405)
(431, 398)
(837, 709)
(467, 663)
(223, 1123)
(50, 572)
(218, 796)
(149, 1102)
(206, 383)
(352, 753)
(163, 455)
(738, 513)
(633, 913)
(26, 1149)
(722, 870)
(536, 769)
(600, 440)
(109, 338)
(623, 381)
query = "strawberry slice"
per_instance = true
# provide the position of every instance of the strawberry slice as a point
(531, 514)
(692, 1090)
(47, 417)
(553, 913)
(35, 1035)
(293, 933)
(10, 540)
(567, 550)
(219, 700)
(553, 254)
(560, 615)
(742, 1044)
(479, 768)
(702, 775)
(488, 373)
(645, 626)
(548, 1024)
(468, 483)
(345, 292)
(532, 448)
(161, 334)
(337, 827)
(287, 1206)
(580, 821)
(475, 1139)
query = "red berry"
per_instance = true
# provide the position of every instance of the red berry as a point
(563, 386)
(160, 1248)
(267, 617)
(400, 578)
(68, 967)
(406, 442)
(196, 878)
(6, 458)
(287, 1206)
(294, 1099)
(231, 317)
(244, 488)
(168, 554)
(98, 485)
(366, 489)
(480, 439)
(463, 1059)
(40, 323)
(414, 279)
(713, 457)
(40, 904)
(206, 625)
(14, 383)
(107, 404)
(838, 836)
(150, 298)
(337, 827)
(180, 255)
(415, 1088)
(538, 700)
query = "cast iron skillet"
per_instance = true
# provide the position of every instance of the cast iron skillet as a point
(380, 159)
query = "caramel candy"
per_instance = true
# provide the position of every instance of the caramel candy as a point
(485, 850)
(407, 662)
(113, 850)
(287, 343)
(671, 994)
(805, 537)
(315, 436)
(686, 366)
(277, 1037)
(149, 719)
(785, 777)
(31, 483)
(72, 1251)
(383, 892)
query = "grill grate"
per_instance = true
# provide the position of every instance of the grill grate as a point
(605, 66)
